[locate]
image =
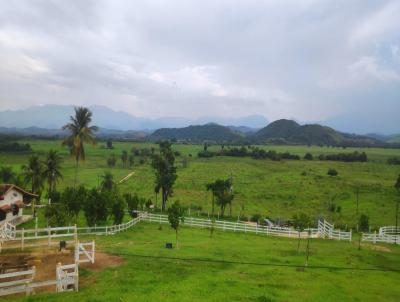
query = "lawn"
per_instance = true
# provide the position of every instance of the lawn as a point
(270, 188)
(235, 267)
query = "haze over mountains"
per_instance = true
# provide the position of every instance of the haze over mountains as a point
(47, 121)
(55, 116)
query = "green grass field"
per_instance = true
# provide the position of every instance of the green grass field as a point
(242, 267)
(235, 267)
(270, 188)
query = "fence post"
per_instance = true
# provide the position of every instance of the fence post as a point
(58, 278)
(374, 237)
(93, 250)
(49, 236)
(22, 240)
(106, 230)
(75, 234)
(351, 232)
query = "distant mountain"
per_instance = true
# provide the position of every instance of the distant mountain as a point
(208, 132)
(394, 138)
(289, 132)
(55, 116)
(102, 133)
(278, 129)
(243, 129)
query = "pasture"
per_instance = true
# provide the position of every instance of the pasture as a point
(235, 267)
(261, 186)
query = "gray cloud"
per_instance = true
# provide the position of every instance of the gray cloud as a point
(309, 60)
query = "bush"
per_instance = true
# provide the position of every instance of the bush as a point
(256, 218)
(394, 161)
(55, 215)
(332, 172)
(205, 154)
(364, 223)
(308, 156)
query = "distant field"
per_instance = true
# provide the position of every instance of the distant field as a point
(274, 189)
(235, 267)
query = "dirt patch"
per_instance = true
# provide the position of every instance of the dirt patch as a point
(379, 248)
(103, 261)
(46, 262)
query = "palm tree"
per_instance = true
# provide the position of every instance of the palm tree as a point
(80, 132)
(108, 181)
(52, 170)
(33, 173)
(6, 174)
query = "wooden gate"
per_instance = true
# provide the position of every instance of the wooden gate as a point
(67, 277)
(84, 252)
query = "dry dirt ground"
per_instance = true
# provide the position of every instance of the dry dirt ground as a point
(45, 260)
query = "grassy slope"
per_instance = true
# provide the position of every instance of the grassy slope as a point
(276, 189)
(155, 279)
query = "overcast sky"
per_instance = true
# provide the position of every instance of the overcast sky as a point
(308, 60)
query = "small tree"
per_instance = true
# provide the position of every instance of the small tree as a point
(308, 156)
(6, 174)
(124, 158)
(132, 201)
(131, 160)
(332, 172)
(56, 214)
(108, 181)
(118, 209)
(175, 217)
(111, 161)
(110, 144)
(301, 222)
(96, 207)
(364, 223)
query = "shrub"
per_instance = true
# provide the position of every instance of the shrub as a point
(364, 223)
(332, 172)
(256, 218)
(308, 156)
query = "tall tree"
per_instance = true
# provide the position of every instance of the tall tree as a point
(222, 192)
(80, 132)
(165, 170)
(124, 158)
(7, 175)
(33, 173)
(175, 217)
(52, 170)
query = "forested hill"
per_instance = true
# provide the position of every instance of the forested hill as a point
(289, 132)
(279, 132)
(208, 132)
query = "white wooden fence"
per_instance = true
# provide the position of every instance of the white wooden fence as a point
(67, 276)
(327, 230)
(386, 234)
(85, 252)
(324, 230)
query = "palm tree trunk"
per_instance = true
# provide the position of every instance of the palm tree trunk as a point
(176, 232)
(76, 171)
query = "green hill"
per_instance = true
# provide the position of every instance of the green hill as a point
(292, 132)
(208, 132)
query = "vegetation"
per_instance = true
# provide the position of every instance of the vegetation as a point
(243, 267)
(277, 189)
(163, 164)
(175, 217)
(14, 147)
(80, 132)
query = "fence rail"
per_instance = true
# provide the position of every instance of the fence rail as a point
(325, 229)
(386, 234)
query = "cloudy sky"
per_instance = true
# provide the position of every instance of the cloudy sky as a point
(333, 61)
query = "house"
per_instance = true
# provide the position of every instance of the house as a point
(12, 200)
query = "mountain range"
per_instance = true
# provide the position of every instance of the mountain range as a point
(49, 119)
(278, 132)
(55, 116)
